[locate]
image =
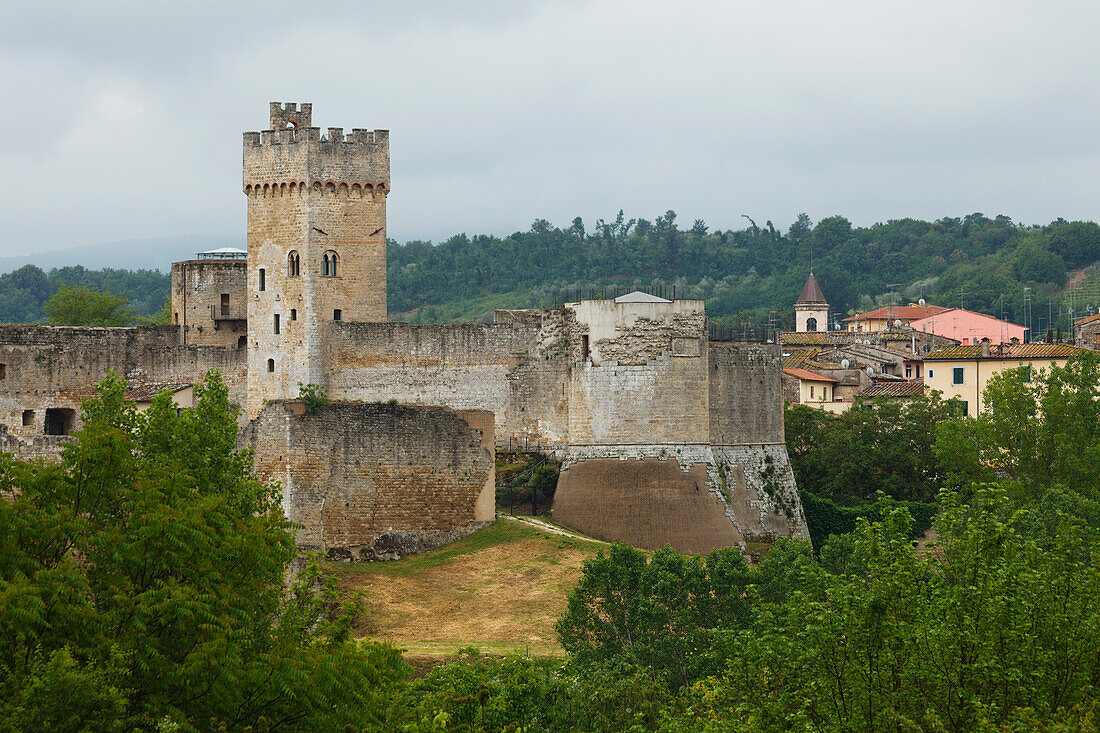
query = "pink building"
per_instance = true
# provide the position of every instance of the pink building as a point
(969, 327)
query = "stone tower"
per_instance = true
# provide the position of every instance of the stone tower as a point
(316, 244)
(811, 311)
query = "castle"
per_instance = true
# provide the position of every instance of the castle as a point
(665, 436)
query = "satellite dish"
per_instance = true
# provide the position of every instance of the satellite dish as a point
(870, 371)
(920, 302)
(897, 323)
(845, 363)
(867, 342)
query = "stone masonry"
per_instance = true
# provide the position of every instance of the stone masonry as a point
(665, 437)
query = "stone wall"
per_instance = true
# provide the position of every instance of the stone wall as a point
(746, 394)
(210, 302)
(376, 481)
(58, 367)
(517, 370)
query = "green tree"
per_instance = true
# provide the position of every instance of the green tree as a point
(141, 582)
(81, 306)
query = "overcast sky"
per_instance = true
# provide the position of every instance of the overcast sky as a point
(124, 118)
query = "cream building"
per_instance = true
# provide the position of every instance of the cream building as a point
(961, 372)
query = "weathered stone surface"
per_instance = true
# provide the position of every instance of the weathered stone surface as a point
(373, 481)
(209, 302)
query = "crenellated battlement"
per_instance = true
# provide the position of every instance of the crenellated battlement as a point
(294, 152)
(289, 115)
(336, 136)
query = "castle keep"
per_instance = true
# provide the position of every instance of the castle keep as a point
(665, 437)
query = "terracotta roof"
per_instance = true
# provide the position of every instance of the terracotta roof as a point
(1086, 319)
(811, 291)
(819, 338)
(1005, 351)
(808, 375)
(809, 360)
(893, 389)
(146, 392)
(899, 312)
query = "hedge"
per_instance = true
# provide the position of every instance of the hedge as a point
(825, 517)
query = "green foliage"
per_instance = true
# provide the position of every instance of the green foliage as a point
(973, 260)
(314, 396)
(629, 612)
(81, 306)
(877, 446)
(141, 585)
(24, 292)
(825, 517)
(989, 628)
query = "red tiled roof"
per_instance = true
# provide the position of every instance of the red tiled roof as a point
(893, 389)
(1086, 319)
(146, 392)
(811, 291)
(808, 375)
(1005, 351)
(899, 312)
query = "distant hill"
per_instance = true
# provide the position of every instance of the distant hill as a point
(132, 254)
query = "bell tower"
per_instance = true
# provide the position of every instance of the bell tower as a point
(316, 244)
(811, 311)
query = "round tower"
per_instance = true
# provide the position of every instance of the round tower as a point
(811, 311)
(316, 244)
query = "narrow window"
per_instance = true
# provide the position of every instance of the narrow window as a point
(292, 264)
(585, 353)
(28, 417)
(293, 314)
(263, 279)
(931, 373)
(177, 319)
(332, 265)
(811, 391)
(276, 323)
(242, 342)
(908, 371)
(3, 371)
(328, 264)
(337, 314)
(271, 365)
(957, 375)
(225, 299)
(324, 266)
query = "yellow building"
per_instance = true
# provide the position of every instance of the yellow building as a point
(890, 317)
(961, 372)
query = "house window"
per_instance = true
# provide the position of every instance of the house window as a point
(931, 373)
(28, 417)
(271, 365)
(811, 324)
(263, 279)
(811, 391)
(225, 302)
(337, 314)
(292, 264)
(957, 375)
(293, 314)
(908, 371)
(276, 324)
(60, 421)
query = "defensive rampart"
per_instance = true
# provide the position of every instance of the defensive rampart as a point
(377, 481)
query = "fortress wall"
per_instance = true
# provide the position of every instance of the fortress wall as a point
(644, 377)
(746, 394)
(514, 370)
(375, 481)
(58, 367)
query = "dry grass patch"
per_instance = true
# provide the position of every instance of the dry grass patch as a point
(501, 589)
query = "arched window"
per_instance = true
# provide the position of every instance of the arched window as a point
(811, 324)
(271, 365)
(329, 264)
(292, 264)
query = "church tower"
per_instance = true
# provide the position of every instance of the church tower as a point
(811, 312)
(316, 244)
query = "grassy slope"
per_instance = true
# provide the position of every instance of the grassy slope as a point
(501, 589)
